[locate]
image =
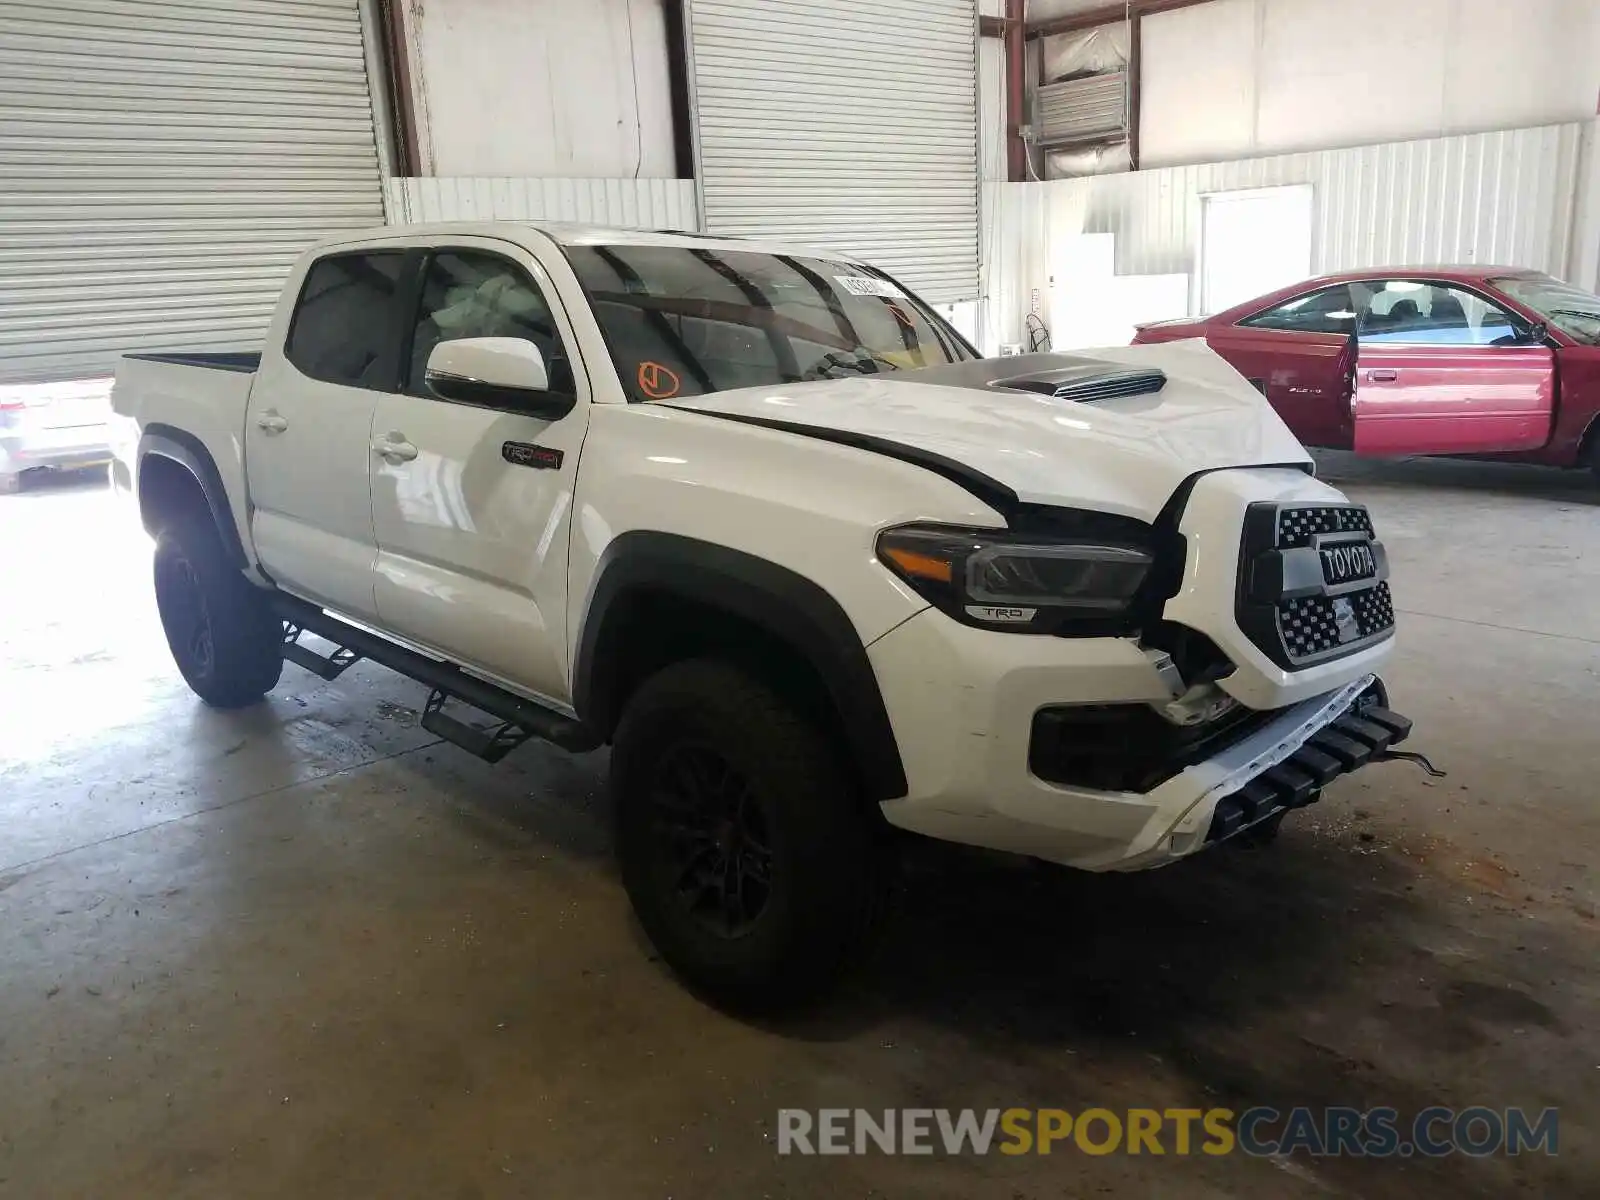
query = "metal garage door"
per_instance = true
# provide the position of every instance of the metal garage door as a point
(162, 162)
(849, 124)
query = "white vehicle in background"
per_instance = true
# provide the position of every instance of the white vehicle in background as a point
(53, 427)
(760, 520)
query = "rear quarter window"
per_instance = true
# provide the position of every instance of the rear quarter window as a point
(1331, 310)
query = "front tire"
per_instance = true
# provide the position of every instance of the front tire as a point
(220, 627)
(752, 862)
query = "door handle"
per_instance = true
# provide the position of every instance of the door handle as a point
(1382, 375)
(270, 422)
(394, 448)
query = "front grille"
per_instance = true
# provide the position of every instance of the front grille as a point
(1297, 526)
(1309, 626)
(1287, 603)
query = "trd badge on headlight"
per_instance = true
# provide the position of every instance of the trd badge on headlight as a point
(1001, 616)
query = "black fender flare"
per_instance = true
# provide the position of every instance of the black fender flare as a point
(190, 453)
(781, 602)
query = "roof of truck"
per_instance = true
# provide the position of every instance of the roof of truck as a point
(572, 234)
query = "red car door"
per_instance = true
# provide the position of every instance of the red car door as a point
(1300, 353)
(1443, 371)
(1304, 376)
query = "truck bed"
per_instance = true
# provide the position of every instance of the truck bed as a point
(195, 401)
(227, 360)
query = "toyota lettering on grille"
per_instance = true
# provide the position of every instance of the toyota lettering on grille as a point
(1348, 563)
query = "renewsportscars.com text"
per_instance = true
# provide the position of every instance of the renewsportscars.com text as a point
(1260, 1131)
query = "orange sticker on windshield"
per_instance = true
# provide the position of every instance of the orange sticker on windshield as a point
(657, 381)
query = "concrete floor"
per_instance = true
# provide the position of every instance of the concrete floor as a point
(308, 951)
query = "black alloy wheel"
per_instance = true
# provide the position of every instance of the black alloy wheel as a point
(712, 838)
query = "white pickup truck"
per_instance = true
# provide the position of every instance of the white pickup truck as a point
(757, 518)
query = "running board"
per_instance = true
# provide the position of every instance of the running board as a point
(491, 744)
(520, 718)
(325, 666)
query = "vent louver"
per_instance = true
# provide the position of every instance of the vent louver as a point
(1087, 387)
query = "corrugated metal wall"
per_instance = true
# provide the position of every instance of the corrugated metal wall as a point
(161, 165)
(628, 203)
(846, 126)
(1016, 256)
(991, 109)
(1504, 197)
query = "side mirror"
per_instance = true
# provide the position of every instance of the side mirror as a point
(1538, 334)
(499, 372)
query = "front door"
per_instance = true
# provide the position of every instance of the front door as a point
(1299, 354)
(1442, 370)
(472, 504)
(309, 427)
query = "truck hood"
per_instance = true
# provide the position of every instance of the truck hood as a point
(983, 424)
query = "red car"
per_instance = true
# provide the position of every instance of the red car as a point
(1493, 362)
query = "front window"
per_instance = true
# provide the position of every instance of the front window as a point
(1571, 310)
(684, 321)
(1411, 312)
(470, 294)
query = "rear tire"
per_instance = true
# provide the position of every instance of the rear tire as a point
(220, 627)
(752, 862)
(1594, 458)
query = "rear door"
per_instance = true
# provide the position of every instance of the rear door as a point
(1443, 370)
(1299, 355)
(472, 503)
(308, 430)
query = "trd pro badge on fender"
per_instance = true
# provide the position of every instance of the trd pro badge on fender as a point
(526, 454)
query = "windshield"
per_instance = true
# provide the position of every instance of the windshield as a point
(684, 321)
(1571, 310)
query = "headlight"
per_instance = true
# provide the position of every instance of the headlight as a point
(1004, 580)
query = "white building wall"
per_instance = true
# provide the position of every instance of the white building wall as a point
(624, 203)
(1510, 197)
(1240, 78)
(523, 88)
(1013, 267)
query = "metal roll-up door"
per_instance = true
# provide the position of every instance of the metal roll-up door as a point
(161, 164)
(847, 124)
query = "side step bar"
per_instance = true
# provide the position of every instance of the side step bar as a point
(326, 666)
(520, 718)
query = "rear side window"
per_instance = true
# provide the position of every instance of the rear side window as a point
(1331, 310)
(344, 329)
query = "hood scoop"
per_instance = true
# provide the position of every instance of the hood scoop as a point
(1088, 383)
(1060, 376)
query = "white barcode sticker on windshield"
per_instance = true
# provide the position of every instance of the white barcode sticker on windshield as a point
(865, 285)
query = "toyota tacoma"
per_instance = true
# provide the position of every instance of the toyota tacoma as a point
(761, 521)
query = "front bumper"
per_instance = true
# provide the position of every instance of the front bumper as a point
(962, 703)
